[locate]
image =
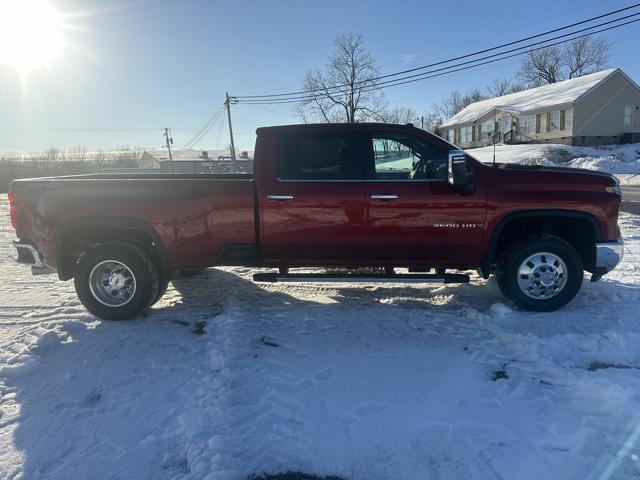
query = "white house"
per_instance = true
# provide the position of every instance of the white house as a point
(600, 108)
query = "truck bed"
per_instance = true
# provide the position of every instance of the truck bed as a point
(195, 216)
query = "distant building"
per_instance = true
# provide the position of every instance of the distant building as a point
(147, 160)
(189, 161)
(600, 108)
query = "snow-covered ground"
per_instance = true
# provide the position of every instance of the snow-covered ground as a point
(621, 160)
(226, 378)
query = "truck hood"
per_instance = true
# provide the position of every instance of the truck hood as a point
(607, 178)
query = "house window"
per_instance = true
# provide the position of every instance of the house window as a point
(487, 128)
(527, 124)
(554, 121)
(466, 134)
(450, 135)
(628, 115)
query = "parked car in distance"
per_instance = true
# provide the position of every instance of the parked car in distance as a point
(330, 195)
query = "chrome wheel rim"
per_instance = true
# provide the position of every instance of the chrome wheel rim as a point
(112, 283)
(542, 275)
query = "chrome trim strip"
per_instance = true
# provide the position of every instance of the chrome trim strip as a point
(609, 254)
(280, 198)
(37, 261)
(384, 196)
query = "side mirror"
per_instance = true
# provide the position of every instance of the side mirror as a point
(459, 175)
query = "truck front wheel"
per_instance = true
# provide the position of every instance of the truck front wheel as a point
(540, 273)
(116, 281)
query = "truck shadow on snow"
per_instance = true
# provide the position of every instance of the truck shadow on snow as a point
(106, 399)
(215, 288)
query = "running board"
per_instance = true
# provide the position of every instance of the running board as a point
(346, 278)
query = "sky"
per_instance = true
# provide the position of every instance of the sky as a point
(128, 68)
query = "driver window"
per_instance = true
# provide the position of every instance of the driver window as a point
(393, 159)
(408, 159)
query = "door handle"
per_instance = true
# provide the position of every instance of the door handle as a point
(385, 196)
(280, 198)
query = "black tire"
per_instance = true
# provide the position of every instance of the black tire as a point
(508, 270)
(144, 271)
(162, 289)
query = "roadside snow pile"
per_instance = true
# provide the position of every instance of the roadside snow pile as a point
(616, 159)
(226, 378)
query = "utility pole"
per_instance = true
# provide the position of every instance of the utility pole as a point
(169, 141)
(227, 104)
(422, 122)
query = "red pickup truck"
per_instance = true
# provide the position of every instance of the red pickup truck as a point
(348, 195)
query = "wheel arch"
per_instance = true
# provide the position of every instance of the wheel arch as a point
(551, 221)
(77, 233)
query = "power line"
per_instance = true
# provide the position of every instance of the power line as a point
(397, 81)
(256, 105)
(219, 139)
(494, 34)
(453, 68)
(461, 57)
(205, 128)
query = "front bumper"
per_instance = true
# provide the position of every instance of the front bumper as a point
(608, 256)
(28, 254)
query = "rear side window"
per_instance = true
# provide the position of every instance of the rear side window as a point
(319, 157)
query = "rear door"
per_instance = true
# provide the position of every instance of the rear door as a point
(414, 215)
(313, 205)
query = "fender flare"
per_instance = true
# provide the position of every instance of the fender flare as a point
(502, 224)
(107, 222)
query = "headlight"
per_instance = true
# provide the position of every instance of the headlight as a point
(616, 190)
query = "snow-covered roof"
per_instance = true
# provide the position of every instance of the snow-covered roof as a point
(560, 93)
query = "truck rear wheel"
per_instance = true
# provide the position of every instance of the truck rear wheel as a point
(540, 273)
(117, 281)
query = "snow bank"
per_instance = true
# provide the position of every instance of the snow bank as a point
(616, 159)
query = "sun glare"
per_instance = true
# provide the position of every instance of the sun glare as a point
(30, 34)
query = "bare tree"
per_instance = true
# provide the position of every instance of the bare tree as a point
(504, 86)
(552, 64)
(345, 90)
(448, 107)
(586, 55)
(542, 66)
(455, 102)
(401, 115)
(432, 122)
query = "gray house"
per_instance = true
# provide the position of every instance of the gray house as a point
(600, 108)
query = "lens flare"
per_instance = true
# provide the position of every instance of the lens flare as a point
(30, 34)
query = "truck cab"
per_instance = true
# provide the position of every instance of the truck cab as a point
(364, 195)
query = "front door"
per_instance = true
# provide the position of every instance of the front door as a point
(505, 123)
(313, 207)
(415, 217)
